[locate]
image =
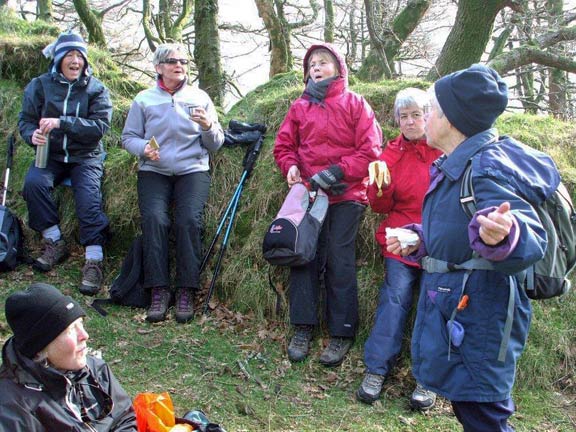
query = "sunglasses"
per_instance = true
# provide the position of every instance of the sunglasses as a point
(173, 61)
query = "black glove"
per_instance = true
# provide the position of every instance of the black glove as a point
(329, 180)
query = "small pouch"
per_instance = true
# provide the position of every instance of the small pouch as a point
(456, 332)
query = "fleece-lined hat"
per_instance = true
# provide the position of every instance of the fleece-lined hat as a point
(38, 315)
(66, 42)
(473, 98)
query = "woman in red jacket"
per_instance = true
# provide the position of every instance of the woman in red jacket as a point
(408, 159)
(328, 138)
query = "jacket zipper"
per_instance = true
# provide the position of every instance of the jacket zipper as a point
(64, 110)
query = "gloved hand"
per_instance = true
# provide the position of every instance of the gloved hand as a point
(329, 180)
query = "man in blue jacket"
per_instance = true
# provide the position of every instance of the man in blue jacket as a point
(68, 110)
(471, 325)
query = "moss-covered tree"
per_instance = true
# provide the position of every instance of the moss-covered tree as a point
(279, 29)
(43, 9)
(207, 49)
(386, 40)
(168, 24)
(328, 21)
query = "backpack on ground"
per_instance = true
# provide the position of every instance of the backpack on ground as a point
(292, 237)
(11, 234)
(127, 289)
(548, 277)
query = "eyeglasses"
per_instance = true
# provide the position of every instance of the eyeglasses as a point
(173, 61)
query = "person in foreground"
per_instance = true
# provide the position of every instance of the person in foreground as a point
(48, 381)
(68, 110)
(328, 138)
(471, 325)
(172, 127)
(406, 166)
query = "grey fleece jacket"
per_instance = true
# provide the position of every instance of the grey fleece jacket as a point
(184, 146)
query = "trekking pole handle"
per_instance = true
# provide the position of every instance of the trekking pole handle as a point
(252, 155)
(10, 150)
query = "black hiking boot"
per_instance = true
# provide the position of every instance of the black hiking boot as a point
(300, 343)
(159, 304)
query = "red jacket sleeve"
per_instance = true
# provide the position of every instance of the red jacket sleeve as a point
(287, 142)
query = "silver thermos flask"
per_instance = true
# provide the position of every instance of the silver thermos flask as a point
(42, 153)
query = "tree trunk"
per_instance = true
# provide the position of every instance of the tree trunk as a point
(328, 21)
(468, 37)
(43, 9)
(279, 34)
(207, 49)
(386, 42)
(557, 77)
(92, 21)
(169, 24)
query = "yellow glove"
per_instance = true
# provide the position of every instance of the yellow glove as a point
(378, 173)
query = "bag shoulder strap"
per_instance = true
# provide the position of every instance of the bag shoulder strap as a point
(467, 199)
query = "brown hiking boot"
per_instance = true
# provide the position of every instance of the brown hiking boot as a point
(54, 252)
(184, 305)
(159, 304)
(333, 354)
(91, 277)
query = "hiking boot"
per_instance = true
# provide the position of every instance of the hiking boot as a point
(54, 252)
(422, 399)
(300, 343)
(91, 277)
(369, 391)
(333, 354)
(159, 304)
(184, 305)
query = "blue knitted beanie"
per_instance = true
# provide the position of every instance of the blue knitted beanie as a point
(67, 42)
(473, 98)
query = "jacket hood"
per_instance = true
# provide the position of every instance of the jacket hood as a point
(341, 63)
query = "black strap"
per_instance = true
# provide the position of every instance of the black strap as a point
(467, 199)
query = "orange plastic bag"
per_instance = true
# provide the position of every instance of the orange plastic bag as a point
(154, 412)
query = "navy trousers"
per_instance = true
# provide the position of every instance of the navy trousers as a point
(484, 416)
(385, 341)
(335, 261)
(156, 193)
(86, 179)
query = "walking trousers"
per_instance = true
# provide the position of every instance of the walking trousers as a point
(335, 261)
(189, 193)
(86, 177)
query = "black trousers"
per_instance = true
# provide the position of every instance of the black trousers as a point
(188, 193)
(86, 179)
(336, 262)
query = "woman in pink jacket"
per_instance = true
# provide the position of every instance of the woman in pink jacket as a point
(408, 159)
(328, 138)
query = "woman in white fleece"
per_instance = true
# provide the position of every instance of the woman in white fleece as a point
(174, 167)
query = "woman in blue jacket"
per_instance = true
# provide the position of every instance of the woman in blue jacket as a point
(69, 110)
(471, 326)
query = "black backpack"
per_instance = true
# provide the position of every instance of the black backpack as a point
(548, 277)
(11, 240)
(11, 234)
(292, 237)
(127, 289)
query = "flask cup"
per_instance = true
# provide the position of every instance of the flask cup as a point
(42, 153)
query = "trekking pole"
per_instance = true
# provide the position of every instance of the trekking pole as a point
(9, 157)
(223, 219)
(249, 162)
